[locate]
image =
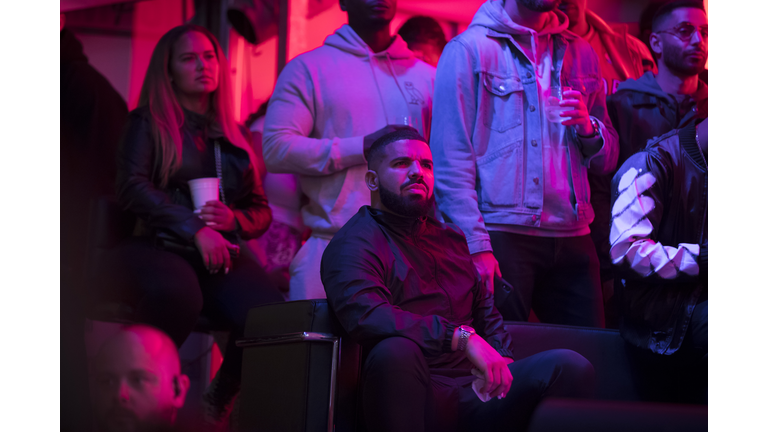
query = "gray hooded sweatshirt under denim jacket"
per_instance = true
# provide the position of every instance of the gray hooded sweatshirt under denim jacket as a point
(488, 128)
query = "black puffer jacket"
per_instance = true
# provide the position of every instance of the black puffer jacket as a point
(170, 209)
(659, 239)
(387, 275)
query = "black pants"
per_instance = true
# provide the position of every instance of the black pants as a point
(401, 393)
(559, 277)
(170, 291)
(682, 376)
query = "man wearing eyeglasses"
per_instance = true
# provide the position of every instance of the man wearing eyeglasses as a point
(651, 106)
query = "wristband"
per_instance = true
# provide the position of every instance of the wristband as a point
(595, 131)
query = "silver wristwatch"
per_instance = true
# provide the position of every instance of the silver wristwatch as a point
(464, 333)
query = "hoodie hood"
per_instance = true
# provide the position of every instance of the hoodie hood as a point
(493, 16)
(598, 24)
(345, 39)
(647, 84)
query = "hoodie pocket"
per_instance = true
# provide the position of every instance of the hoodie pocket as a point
(500, 176)
(501, 104)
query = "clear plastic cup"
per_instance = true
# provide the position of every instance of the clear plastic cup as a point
(204, 190)
(552, 104)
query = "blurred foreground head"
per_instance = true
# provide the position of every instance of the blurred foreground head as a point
(137, 381)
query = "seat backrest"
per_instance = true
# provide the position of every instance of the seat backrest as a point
(286, 386)
(604, 348)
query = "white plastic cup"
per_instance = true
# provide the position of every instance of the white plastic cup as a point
(204, 190)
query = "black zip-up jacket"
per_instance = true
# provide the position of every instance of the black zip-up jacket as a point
(170, 209)
(659, 239)
(387, 275)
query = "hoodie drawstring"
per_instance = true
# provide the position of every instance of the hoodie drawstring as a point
(378, 88)
(376, 80)
(394, 75)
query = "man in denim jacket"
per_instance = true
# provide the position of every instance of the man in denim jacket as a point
(512, 180)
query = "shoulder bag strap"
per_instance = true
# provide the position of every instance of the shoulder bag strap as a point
(217, 151)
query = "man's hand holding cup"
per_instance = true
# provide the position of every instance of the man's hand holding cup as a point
(576, 114)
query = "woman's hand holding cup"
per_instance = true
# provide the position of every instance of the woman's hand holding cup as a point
(217, 216)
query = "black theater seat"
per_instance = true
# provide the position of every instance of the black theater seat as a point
(296, 352)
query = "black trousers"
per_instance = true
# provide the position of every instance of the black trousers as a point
(680, 377)
(559, 277)
(170, 291)
(401, 393)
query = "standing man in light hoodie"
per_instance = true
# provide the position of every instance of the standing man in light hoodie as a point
(328, 105)
(511, 179)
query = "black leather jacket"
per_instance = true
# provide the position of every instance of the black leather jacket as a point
(170, 209)
(387, 275)
(659, 239)
(640, 111)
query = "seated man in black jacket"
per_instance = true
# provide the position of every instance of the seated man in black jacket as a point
(403, 285)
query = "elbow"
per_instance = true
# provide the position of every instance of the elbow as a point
(274, 149)
(256, 230)
(269, 149)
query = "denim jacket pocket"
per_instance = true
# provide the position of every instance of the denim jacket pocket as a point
(501, 105)
(500, 177)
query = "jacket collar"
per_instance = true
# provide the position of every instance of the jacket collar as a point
(687, 136)
(199, 124)
(598, 24)
(404, 225)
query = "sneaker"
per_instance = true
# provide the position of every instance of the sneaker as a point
(218, 401)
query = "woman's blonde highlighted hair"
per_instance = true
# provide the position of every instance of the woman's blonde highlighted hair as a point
(167, 116)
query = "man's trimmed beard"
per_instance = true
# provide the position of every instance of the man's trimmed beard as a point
(539, 5)
(674, 58)
(412, 206)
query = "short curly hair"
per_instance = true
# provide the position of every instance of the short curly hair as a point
(664, 11)
(374, 153)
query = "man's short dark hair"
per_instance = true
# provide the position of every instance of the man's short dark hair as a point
(376, 151)
(664, 11)
(423, 29)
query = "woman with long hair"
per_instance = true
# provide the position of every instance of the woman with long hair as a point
(182, 262)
